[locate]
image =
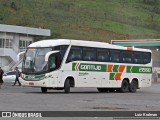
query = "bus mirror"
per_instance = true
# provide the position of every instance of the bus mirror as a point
(48, 54)
(20, 55)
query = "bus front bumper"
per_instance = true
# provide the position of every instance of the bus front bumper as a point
(40, 83)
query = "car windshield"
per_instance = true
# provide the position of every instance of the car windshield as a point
(34, 61)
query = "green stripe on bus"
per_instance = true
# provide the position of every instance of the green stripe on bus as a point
(103, 68)
(111, 77)
(139, 69)
(115, 68)
(73, 66)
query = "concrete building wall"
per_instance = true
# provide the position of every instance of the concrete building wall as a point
(4, 61)
(15, 43)
(15, 39)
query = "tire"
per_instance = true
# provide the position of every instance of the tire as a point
(102, 90)
(43, 89)
(133, 86)
(124, 87)
(67, 86)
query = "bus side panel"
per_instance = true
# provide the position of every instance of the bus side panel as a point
(96, 79)
(54, 78)
(144, 80)
(66, 72)
(109, 82)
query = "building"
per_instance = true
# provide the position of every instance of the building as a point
(15, 39)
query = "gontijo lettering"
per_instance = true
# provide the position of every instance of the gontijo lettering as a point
(90, 67)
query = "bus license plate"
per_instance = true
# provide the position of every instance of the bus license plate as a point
(31, 83)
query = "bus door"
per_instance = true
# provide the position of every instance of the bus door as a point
(54, 64)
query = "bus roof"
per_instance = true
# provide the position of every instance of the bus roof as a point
(56, 42)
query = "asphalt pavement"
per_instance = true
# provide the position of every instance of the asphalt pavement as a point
(18, 98)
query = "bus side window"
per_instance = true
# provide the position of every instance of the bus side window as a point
(127, 56)
(115, 55)
(137, 58)
(74, 54)
(146, 58)
(102, 55)
(52, 61)
(89, 54)
(63, 50)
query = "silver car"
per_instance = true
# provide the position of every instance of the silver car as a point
(9, 77)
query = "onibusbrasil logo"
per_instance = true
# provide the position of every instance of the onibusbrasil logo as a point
(21, 114)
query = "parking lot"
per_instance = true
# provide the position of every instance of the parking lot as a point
(18, 98)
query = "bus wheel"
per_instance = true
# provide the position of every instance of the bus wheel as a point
(67, 86)
(124, 87)
(43, 89)
(133, 86)
(102, 90)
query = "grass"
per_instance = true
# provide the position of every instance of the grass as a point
(85, 19)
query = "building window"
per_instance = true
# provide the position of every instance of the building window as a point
(5, 43)
(28, 43)
(1, 43)
(23, 44)
(8, 43)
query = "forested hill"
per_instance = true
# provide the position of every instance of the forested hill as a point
(101, 20)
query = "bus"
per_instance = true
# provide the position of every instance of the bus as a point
(63, 64)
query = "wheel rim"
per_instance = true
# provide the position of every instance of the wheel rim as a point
(125, 85)
(133, 87)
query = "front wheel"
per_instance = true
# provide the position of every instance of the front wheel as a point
(133, 86)
(124, 87)
(67, 86)
(43, 89)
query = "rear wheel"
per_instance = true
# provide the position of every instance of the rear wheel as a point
(67, 86)
(43, 89)
(124, 87)
(133, 86)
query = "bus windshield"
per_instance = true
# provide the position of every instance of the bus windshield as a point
(34, 61)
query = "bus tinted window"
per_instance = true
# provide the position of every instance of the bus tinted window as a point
(74, 54)
(127, 57)
(89, 54)
(63, 50)
(102, 55)
(115, 55)
(146, 58)
(137, 58)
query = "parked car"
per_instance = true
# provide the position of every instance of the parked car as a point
(9, 76)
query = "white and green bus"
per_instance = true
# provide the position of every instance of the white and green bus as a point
(63, 63)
